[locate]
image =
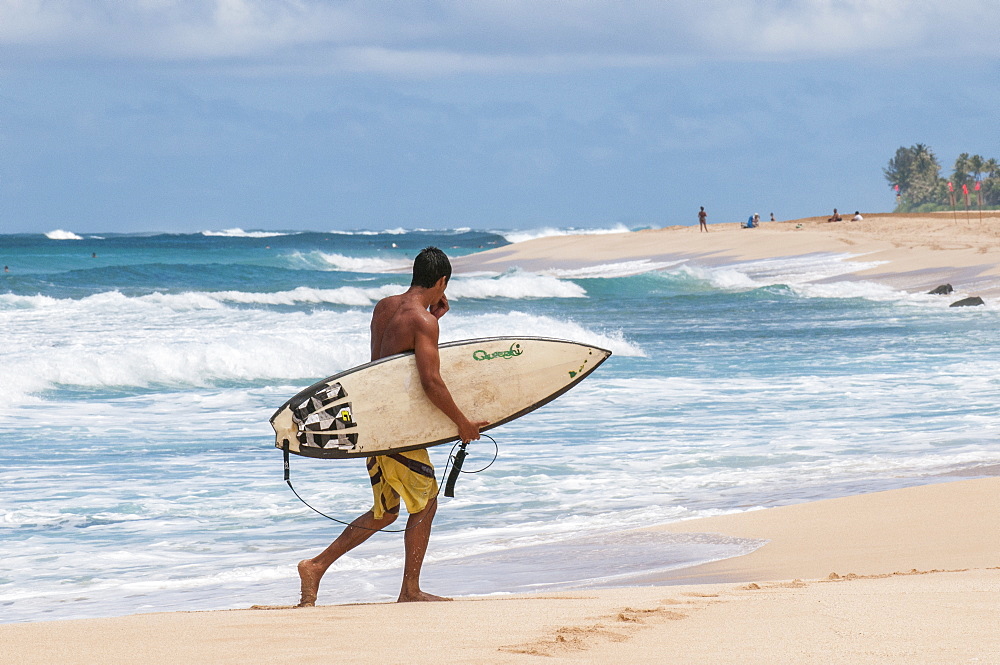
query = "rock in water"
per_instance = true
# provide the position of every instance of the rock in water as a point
(968, 302)
(942, 290)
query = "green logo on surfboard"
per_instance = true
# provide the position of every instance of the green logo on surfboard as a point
(514, 350)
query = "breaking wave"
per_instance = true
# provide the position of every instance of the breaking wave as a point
(240, 233)
(60, 234)
(532, 234)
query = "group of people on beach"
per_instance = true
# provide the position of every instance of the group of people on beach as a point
(836, 217)
(752, 222)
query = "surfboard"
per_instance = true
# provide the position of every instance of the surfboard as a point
(380, 407)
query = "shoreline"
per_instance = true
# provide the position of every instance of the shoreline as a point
(907, 575)
(903, 575)
(913, 252)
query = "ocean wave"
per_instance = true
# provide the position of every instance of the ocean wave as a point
(344, 295)
(368, 232)
(200, 300)
(515, 285)
(612, 270)
(532, 234)
(240, 233)
(60, 234)
(151, 342)
(532, 325)
(809, 275)
(371, 264)
(185, 349)
(317, 260)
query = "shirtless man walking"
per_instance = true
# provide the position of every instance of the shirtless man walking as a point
(405, 322)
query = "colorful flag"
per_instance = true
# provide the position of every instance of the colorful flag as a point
(951, 187)
(965, 189)
(977, 185)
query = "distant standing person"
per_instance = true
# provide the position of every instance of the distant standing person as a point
(702, 220)
(772, 217)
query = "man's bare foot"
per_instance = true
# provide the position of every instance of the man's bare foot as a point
(309, 577)
(419, 597)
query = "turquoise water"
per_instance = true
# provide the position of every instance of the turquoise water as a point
(139, 472)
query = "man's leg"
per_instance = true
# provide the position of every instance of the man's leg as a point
(360, 530)
(418, 533)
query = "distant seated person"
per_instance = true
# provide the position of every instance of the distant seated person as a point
(857, 217)
(751, 222)
(836, 217)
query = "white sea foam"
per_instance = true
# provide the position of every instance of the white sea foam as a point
(364, 264)
(812, 277)
(195, 339)
(317, 260)
(792, 271)
(612, 270)
(344, 295)
(511, 285)
(240, 233)
(368, 232)
(809, 276)
(530, 325)
(518, 285)
(532, 234)
(60, 234)
(514, 285)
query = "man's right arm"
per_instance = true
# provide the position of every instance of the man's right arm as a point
(429, 367)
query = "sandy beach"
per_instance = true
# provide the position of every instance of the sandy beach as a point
(913, 252)
(902, 576)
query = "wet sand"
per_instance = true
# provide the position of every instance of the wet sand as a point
(905, 576)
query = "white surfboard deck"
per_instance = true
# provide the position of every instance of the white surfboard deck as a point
(380, 407)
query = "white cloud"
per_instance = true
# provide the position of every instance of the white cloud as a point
(487, 35)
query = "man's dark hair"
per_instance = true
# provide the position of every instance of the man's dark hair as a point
(430, 265)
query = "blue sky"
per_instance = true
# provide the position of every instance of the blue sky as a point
(184, 115)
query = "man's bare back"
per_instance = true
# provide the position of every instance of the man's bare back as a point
(397, 320)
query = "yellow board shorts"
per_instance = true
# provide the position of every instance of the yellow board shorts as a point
(409, 475)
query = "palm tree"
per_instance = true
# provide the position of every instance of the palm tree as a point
(915, 170)
(962, 167)
(991, 184)
(899, 170)
(976, 164)
(926, 185)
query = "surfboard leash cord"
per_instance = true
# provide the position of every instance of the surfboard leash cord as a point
(455, 461)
